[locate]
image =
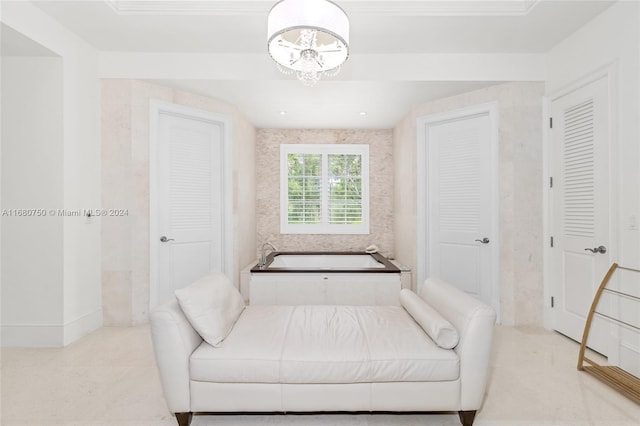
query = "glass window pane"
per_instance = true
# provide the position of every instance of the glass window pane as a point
(325, 188)
(304, 191)
(345, 189)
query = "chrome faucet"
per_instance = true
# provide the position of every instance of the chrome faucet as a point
(263, 258)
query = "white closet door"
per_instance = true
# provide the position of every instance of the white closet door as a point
(190, 207)
(462, 242)
(580, 205)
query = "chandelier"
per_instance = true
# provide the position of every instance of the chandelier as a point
(308, 37)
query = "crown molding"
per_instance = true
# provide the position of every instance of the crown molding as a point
(375, 7)
(189, 7)
(441, 7)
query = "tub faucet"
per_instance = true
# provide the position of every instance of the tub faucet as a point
(263, 258)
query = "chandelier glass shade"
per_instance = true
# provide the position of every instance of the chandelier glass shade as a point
(308, 37)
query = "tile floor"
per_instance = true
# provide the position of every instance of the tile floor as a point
(109, 378)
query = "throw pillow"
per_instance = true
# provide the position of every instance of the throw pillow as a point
(212, 305)
(441, 331)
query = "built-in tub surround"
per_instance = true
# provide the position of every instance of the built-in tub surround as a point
(325, 262)
(380, 142)
(325, 278)
(311, 261)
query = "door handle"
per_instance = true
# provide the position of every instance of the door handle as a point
(165, 239)
(485, 240)
(601, 249)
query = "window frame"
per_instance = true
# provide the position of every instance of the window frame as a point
(324, 150)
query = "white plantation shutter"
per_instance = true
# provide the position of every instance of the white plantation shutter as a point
(304, 188)
(324, 189)
(345, 189)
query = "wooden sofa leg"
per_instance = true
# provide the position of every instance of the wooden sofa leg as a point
(466, 417)
(184, 419)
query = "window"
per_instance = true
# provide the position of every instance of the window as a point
(324, 189)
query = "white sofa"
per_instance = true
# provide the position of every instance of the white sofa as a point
(330, 358)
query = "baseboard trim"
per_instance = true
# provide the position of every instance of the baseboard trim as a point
(50, 335)
(82, 326)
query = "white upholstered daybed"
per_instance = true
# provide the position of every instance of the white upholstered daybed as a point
(429, 354)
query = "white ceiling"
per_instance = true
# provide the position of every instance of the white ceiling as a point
(377, 27)
(390, 27)
(16, 44)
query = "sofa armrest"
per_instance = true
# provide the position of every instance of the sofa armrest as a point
(475, 322)
(174, 340)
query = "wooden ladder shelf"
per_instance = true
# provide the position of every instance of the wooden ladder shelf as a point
(619, 379)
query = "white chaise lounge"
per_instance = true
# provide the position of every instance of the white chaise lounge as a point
(429, 354)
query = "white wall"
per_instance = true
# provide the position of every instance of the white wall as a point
(32, 178)
(78, 173)
(244, 195)
(520, 211)
(613, 37)
(82, 295)
(125, 184)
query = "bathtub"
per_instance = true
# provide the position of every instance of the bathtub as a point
(325, 278)
(348, 262)
(325, 262)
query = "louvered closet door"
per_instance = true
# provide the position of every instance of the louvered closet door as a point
(190, 201)
(461, 204)
(580, 208)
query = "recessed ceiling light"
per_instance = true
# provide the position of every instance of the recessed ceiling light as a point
(363, 113)
(283, 112)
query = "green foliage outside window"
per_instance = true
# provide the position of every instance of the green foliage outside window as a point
(345, 189)
(343, 184)
(305, 186)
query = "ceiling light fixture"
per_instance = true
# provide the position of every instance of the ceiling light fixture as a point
(308, 37)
